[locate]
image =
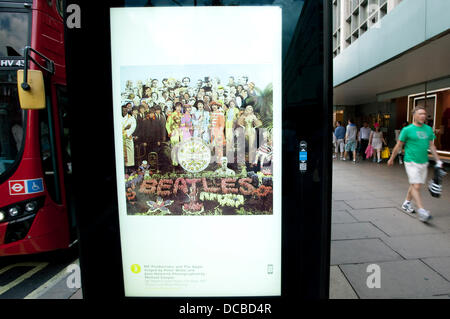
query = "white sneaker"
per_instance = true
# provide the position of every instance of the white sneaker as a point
(344, 159)
(424, 215)
(408, 208)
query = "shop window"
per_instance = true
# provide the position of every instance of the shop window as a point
(437, 105)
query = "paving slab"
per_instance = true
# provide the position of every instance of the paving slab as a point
(339, 205)
(342, 216)
(394, 222)
(439, 207)
(394, 195)
(351, 195)
(371, 203)
(59, 290)
(442, 223)
(399, 279)
(355, 231)
(370, 214)
(387, 185)
(425, 247)
(339, 285)
(344, 187)
(440, 265)
(361, 251)
(77, 295)
(420, 246)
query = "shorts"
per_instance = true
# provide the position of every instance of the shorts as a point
(417, 173)
(350, 146)
(340, 145)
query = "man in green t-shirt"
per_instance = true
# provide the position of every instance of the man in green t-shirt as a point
(417, 139)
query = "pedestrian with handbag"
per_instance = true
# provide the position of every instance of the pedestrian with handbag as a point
(364, 136)
(377, 140)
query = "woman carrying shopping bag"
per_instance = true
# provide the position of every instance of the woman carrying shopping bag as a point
(377, 140)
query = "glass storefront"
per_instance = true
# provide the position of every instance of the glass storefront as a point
(437, 104)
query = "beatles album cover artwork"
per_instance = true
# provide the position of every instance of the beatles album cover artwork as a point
(197, 140)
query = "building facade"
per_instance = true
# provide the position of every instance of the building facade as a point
(390, 56)
(352, 18)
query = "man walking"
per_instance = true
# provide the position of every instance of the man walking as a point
(364, 135)
(339, 132)
(350, 140)
(417, 139)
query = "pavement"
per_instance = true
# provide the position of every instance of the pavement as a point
(369, 227)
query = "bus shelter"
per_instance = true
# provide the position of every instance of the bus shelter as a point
(202, 150)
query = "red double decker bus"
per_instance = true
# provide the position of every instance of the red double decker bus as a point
(35, 165)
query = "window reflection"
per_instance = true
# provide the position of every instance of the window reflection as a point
(13, 33)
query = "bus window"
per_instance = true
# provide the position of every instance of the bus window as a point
(14, 35)
(11, 122)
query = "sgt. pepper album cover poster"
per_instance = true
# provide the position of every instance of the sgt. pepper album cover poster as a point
(197, 132)
(197, 139)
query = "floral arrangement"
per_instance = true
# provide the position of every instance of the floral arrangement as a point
(246, 187)
(177, 185)
(131, 195)
(263, 191)
(228, 192)
(160, 205)
(230, 200)
(227, 183)
(163, 185)
(193, 208)
(212, 189)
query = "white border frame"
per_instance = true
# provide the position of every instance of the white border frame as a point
(260, 234)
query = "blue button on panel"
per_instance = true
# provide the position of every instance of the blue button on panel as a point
(303, 156)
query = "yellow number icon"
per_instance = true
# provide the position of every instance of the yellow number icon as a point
(136, 268)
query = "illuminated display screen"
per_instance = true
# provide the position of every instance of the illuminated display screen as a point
(197, 124)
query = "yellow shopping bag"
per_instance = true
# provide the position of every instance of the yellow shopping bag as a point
(385, 153)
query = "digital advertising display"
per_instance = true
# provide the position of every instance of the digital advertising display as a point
(197, 131)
